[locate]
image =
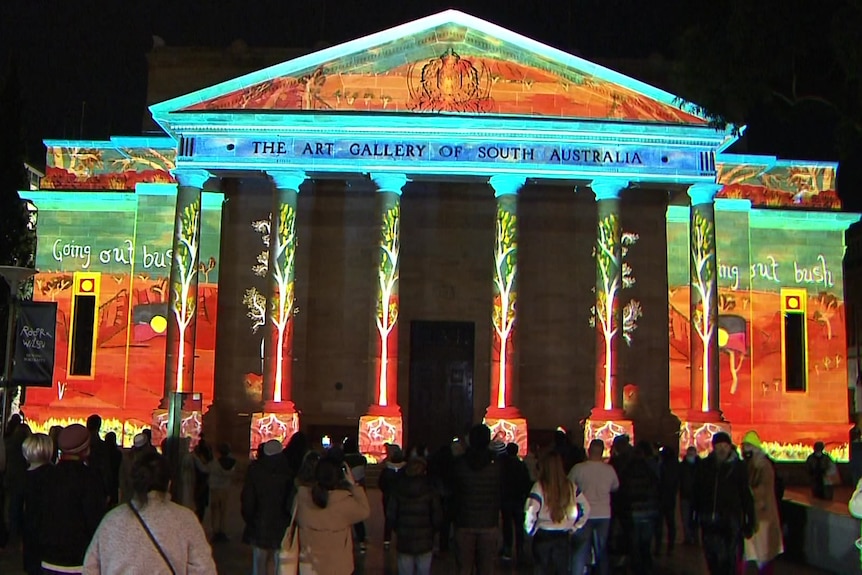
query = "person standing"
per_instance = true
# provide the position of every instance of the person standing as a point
(687, 473)
(516, 488)
(668, 491)
(639, 505)
(74, 502)
(392, 468)
(266, 501)
(38, 450)
(115, 461)
(325, 514)
(357, 464)
(99, 458)
(597, 480)
(555, 509)
(222, 471)
(855, 508)
(823, 473)
(121, 545)
(476, 488)
(766, 543)
(415, 513)
(724, 506)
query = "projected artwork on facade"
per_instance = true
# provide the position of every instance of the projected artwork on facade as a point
(120, 239)
(495, 130)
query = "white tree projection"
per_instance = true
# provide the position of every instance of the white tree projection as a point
(282, 261)
(702, 282)
(387, 302)
(184, 299)
(505, 272)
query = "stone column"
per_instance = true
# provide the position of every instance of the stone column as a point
(383, 424)
(279, 418)
(703, 302)
(607, 419)
(177, 416)
(182, 303)
(505, 420)
(704, 418)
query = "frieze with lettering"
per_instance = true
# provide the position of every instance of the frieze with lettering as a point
(331, 151)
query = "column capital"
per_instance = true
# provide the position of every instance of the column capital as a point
(608, 188)
(287, 179)
(191, 177)
(387, 182)
(703, 193)
(506, 184)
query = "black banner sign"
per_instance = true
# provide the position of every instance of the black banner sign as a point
(34, 344)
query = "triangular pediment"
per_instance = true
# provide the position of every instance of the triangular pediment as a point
(446, 63)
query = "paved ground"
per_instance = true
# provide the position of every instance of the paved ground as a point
(234, 558)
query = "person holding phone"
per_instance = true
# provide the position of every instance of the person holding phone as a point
(325, 513)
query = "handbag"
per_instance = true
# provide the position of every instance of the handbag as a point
(152, 538)
(288, 560)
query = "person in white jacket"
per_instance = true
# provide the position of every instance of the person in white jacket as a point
(855, 507)
(554, 510)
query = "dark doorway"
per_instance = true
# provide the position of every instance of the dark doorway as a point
(441, 381)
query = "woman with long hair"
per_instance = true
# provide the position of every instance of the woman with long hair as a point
(150, 534)
(325, 513)
(555, 509)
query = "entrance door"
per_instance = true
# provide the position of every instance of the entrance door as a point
(441, 381)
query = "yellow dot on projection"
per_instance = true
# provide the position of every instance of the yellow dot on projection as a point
(159, 324)
(723, 336)
(87, 285)
(793, 303)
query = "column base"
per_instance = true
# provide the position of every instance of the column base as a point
(508, 430)
(384, 411)
(376, 430)
(607, 425)
(191, 423)
(698, 432)
(510, 412)
(268, 425)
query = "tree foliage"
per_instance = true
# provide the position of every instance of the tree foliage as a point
(794, 66)
(17, 238)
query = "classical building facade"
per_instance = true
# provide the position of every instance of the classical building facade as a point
(436, 225)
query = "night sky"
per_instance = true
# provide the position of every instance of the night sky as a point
(83, 65)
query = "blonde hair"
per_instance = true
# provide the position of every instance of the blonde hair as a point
(555, 485)
(38, 450)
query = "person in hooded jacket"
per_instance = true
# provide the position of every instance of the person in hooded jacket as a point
(222, 470)
(766, 543)
(477, 486)
(687, 472)
(266, 501)
(415, 513)
(392, 468)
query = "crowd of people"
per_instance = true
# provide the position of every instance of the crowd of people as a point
(77, 503)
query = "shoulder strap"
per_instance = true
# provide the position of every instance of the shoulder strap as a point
(152, 538)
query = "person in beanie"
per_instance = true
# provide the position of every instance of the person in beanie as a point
(476, 487)
(766, 543)
(75, 502)
(266, 502)
(415, 513)
(724, 506)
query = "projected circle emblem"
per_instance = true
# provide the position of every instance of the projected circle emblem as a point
(723, 337)
(87, 285)
(793, 303)
(159, 324)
